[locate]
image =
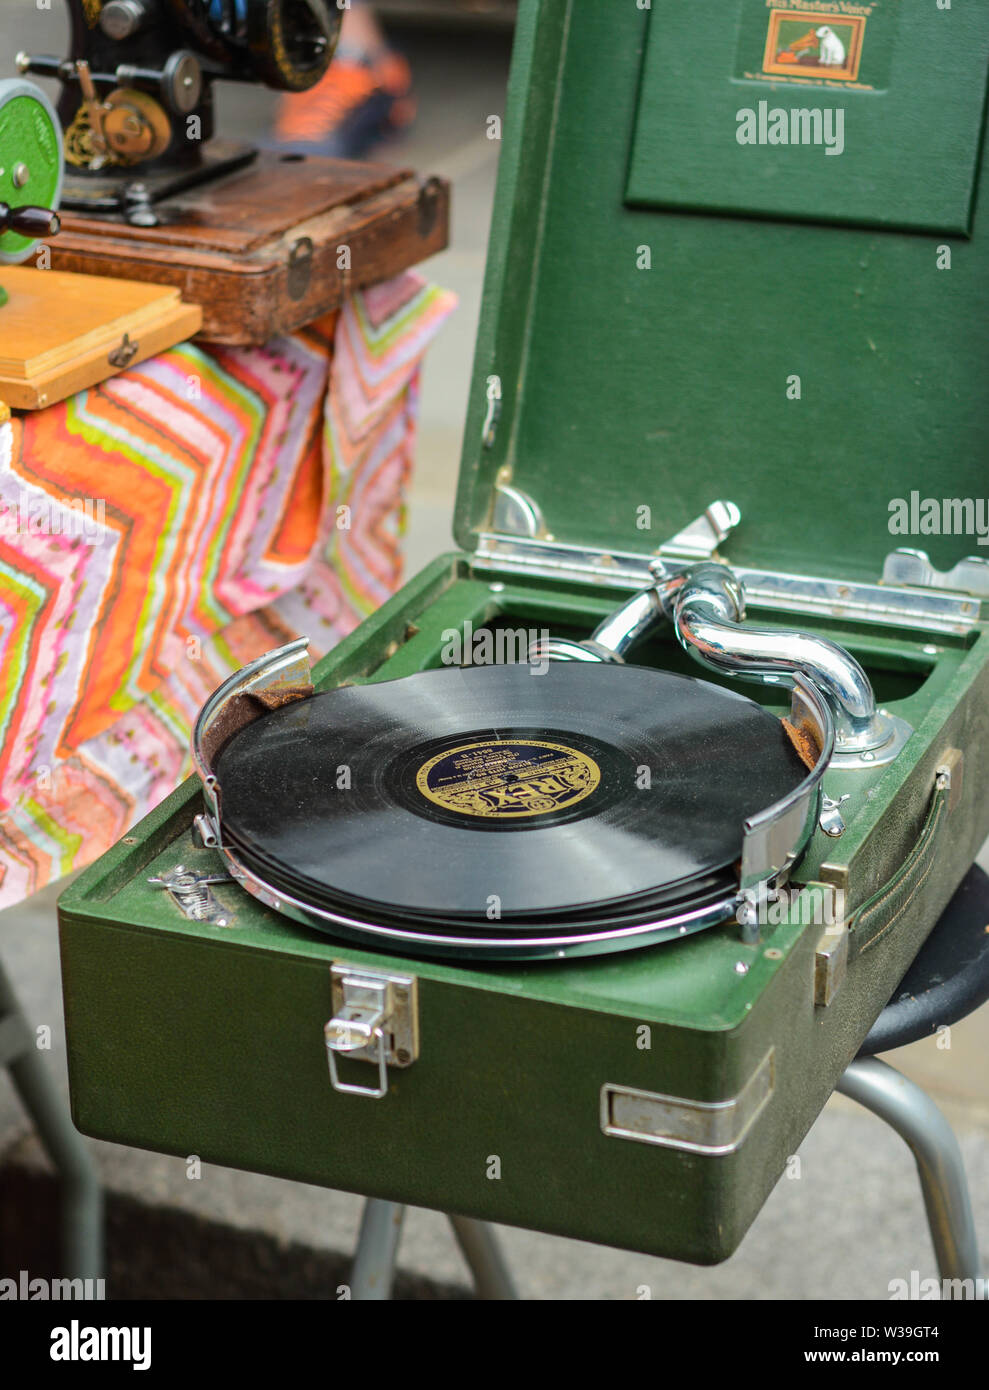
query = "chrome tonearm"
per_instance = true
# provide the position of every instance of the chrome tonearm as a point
(706, 605)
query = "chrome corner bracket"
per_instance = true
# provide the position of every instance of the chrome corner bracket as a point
(514, 513)
(830, 964)
(709, 1128)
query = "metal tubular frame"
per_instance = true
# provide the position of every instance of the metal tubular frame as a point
(377, 1252)
(917, 1120)
(82, 1195)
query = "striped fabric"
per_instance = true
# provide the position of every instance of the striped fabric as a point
(160, 530)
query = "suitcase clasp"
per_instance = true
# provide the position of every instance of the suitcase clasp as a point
(375, 1019)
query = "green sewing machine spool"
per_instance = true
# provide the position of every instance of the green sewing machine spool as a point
(31, 168)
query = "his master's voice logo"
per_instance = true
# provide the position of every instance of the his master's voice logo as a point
(940, 516)
(802, 44)
(840, 47)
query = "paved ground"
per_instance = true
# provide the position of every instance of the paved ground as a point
(853, 1220)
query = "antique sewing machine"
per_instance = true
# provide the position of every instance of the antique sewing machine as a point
(152, 192)
(137, 89)
(670, 318)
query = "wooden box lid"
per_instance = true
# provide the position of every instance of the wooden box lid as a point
(60, 333)
(261, 250)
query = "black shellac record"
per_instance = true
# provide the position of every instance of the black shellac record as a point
(572, 790)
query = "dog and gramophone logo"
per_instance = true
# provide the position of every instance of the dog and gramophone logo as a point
(823, 45)
(819, 43)
(818, 46)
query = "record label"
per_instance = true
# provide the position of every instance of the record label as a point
(508, 778)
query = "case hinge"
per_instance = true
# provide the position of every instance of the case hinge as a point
(932, 609)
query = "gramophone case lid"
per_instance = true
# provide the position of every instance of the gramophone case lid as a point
(676, 314)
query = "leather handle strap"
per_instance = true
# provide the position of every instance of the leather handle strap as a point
(871, 921)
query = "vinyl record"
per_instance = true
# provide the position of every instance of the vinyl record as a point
(504, 795)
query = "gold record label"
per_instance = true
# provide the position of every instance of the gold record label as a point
(508, 778)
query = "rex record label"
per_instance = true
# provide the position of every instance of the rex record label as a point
(508, 779)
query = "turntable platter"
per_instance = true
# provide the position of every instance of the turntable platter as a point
(504, 794)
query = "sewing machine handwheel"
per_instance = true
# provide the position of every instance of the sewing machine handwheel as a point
(30, 166)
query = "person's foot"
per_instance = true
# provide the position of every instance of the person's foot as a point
(362, 99)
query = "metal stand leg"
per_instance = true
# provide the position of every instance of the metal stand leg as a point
(915, 1117)
(82, 1196)
(484, 1256)
(377, 1249)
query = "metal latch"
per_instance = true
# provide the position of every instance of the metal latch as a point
(190, 892)
(124, 353)
(831, 821)
(375, 1019)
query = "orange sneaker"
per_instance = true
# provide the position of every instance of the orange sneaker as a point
(357, 102)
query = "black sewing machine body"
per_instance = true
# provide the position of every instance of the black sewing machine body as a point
(137, 100)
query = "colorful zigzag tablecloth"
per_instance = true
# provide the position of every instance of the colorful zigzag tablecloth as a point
(160, 530)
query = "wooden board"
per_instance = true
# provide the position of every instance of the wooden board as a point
(58, 331)
(260, 249)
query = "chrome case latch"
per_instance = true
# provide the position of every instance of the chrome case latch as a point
(190, 891)
(376, 1020)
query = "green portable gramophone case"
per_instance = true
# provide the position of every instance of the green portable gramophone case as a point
(732, 259)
